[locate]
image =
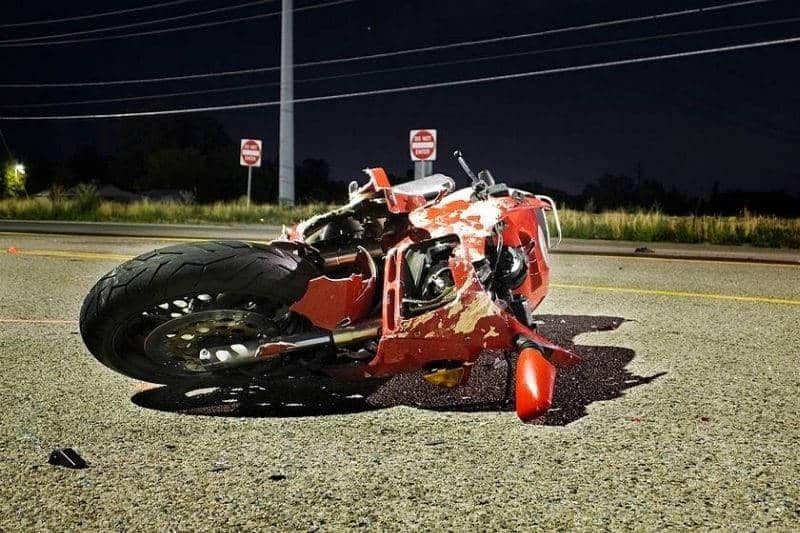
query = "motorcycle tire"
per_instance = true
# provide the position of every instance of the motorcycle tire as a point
(230, 268)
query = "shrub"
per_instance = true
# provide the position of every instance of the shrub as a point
(56, 194)
(86, 198)
(13, 180)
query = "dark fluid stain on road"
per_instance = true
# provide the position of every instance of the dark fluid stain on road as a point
(600, 377)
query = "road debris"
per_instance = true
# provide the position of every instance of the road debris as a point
(66, 457)
(219, 466)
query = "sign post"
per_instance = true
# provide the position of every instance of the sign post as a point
(250, 156)
(422, 146)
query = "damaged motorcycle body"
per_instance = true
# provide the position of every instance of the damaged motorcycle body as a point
(417, 276)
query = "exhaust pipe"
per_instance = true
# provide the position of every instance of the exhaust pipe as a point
(320, 339)
(340, 257)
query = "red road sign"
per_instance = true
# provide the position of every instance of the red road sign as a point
(422, 144)
(250, 153)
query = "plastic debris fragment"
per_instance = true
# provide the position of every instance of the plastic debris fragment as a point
(66, 457)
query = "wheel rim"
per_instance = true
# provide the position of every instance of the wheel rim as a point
(274, 317)
(211, 340)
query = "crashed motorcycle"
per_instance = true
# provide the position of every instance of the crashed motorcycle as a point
(412, 277)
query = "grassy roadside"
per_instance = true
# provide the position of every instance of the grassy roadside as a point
(616, 225)
(748, 229)
(155, 212)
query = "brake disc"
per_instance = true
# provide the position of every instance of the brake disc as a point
(208, 340)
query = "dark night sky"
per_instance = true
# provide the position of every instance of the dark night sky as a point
(732, 117)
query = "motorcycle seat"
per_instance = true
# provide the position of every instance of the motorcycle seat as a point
(429, 187)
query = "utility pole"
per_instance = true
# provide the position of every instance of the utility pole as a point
(286, 134)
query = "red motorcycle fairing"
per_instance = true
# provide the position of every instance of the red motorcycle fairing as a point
(472, 322)
(458, 331)
(331, 303)
(518, 223)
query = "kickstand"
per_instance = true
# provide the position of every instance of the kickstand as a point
(506, 401)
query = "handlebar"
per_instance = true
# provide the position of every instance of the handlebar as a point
(461, 161)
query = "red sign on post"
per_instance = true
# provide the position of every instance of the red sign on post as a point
(422, 144)
(250, 153)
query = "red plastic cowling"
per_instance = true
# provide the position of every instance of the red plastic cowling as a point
(535, 380)
(330, 303)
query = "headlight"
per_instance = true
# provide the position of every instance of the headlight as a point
(512, 265)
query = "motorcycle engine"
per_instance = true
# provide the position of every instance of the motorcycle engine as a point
(428, 280)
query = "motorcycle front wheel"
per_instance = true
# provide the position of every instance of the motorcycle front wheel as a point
(155, 317)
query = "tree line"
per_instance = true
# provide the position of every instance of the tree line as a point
(192, 154)
(195, 154)
(629, 193)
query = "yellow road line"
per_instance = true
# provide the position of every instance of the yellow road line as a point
(112, 237)
(49, 321)
(97, 256)
(678, 294)
(124, 237)
(683, 260)
(121, 257)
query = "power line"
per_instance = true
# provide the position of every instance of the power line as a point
(492, 40)
(137, 24)
(8, 44)
(145, 97)
(95, 15)
(411, 67)
(387, 54)
(427, 86)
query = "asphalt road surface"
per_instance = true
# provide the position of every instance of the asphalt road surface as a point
(684, 414)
